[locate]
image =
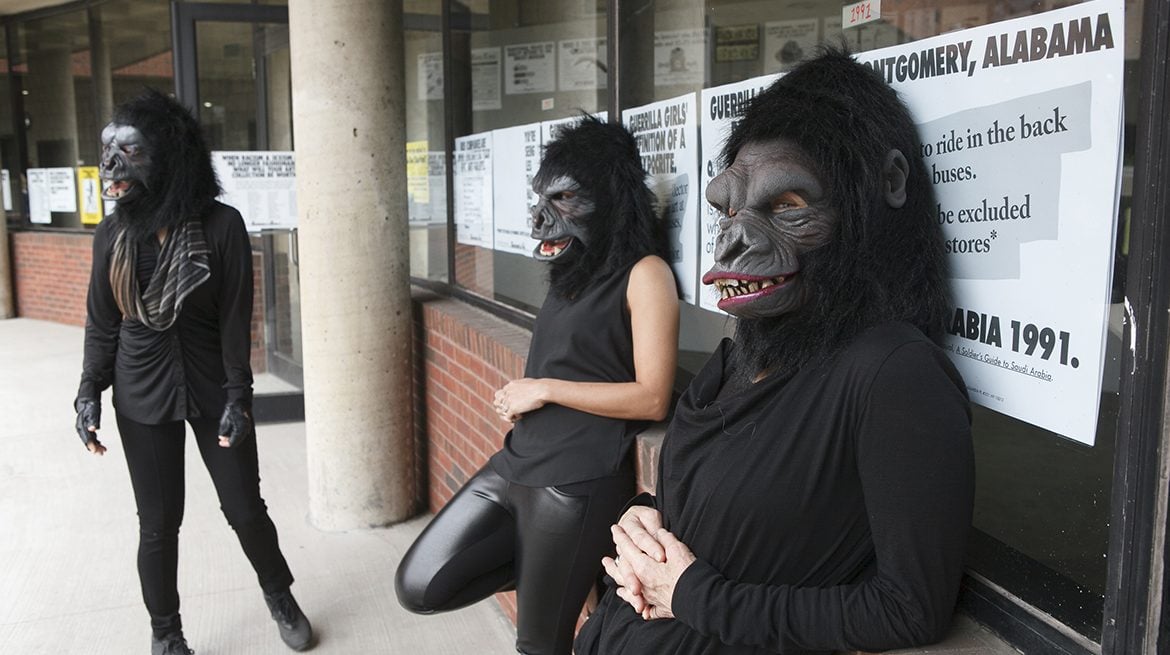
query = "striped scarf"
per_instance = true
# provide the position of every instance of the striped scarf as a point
(182, 266)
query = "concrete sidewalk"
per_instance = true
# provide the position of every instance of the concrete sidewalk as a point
(68, 538)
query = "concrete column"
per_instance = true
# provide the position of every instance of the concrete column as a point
(347, 78)
(52, 107)
(103, 77)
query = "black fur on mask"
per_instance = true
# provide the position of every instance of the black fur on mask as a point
(603, 158)
(884, 264)
(181, 183)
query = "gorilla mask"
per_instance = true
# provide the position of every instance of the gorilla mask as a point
(827, 227)
(156, 165)
(125, 162)
(562, 216)
(775, 210)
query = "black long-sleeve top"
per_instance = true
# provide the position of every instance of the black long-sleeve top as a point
(197, 365)
(828, 511)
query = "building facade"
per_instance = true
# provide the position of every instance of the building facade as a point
(1068, 547)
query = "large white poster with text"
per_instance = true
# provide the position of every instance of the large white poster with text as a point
(1021, 125)
(260, 184)
(721, 107)
(516, 158)
(473, 190)
(667, 136)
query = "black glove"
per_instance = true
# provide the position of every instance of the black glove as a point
(236, 423)
(89, 414)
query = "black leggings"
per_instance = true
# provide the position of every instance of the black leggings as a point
(546, 542)
(154, 454)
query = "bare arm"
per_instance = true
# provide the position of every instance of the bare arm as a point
(653, 303)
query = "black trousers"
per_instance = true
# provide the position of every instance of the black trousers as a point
(154, 454)
(494, 535)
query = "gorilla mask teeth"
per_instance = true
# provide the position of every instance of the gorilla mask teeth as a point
(117, 188)
(734, 288)
(552, 249)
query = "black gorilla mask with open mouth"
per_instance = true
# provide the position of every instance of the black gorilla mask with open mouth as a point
(125, 163)
(560, 221)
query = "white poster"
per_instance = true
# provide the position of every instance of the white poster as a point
(260, 184)
(515, 158)
(550, 130)
(581, 64)
(430, 76)
(679, 57)
(485, 79)
(473, 190)
(1021, 129)
(38, 196)
(721, 107)
(530, 68)
(788, 42)
(62, 189)
(667, 136)
(6, 186)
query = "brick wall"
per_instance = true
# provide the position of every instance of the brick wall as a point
(462, 356)
(50, 271)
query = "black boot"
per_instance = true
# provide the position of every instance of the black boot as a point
(172, 644)
(294, 626)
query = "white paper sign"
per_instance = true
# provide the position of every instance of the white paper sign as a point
(38, 196)
(581, 64)
(679, 57)
(516, 158)
(667, 137)
(1021, 125)
(788, 42)
(473, 190)
(721, 107)
(260, 184)
(485, 79)
(62, 189)
(430, 76)
(530, 68)
(6, 186)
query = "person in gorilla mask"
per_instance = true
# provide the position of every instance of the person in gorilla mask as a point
(168, 325)
(600, 365)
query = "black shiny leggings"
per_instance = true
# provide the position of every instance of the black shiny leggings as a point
(494, 535)
(154, 454)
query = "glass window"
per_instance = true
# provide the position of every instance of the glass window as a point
(514, 63)
(10, 169)
(54, 56)
(426, 140)
(72, 68)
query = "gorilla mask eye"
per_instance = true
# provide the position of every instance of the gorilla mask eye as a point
(786, 201)
(564, 195)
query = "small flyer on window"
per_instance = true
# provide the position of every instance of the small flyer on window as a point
(485, 79)
(679, 57)
(473, 190)
(530, 68)
(581, 64)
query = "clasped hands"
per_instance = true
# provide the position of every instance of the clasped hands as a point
(650, 560)
(519, 397)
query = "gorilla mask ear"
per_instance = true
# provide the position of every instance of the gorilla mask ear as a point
(894, 175)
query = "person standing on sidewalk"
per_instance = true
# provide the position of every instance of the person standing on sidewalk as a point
(168, 325)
